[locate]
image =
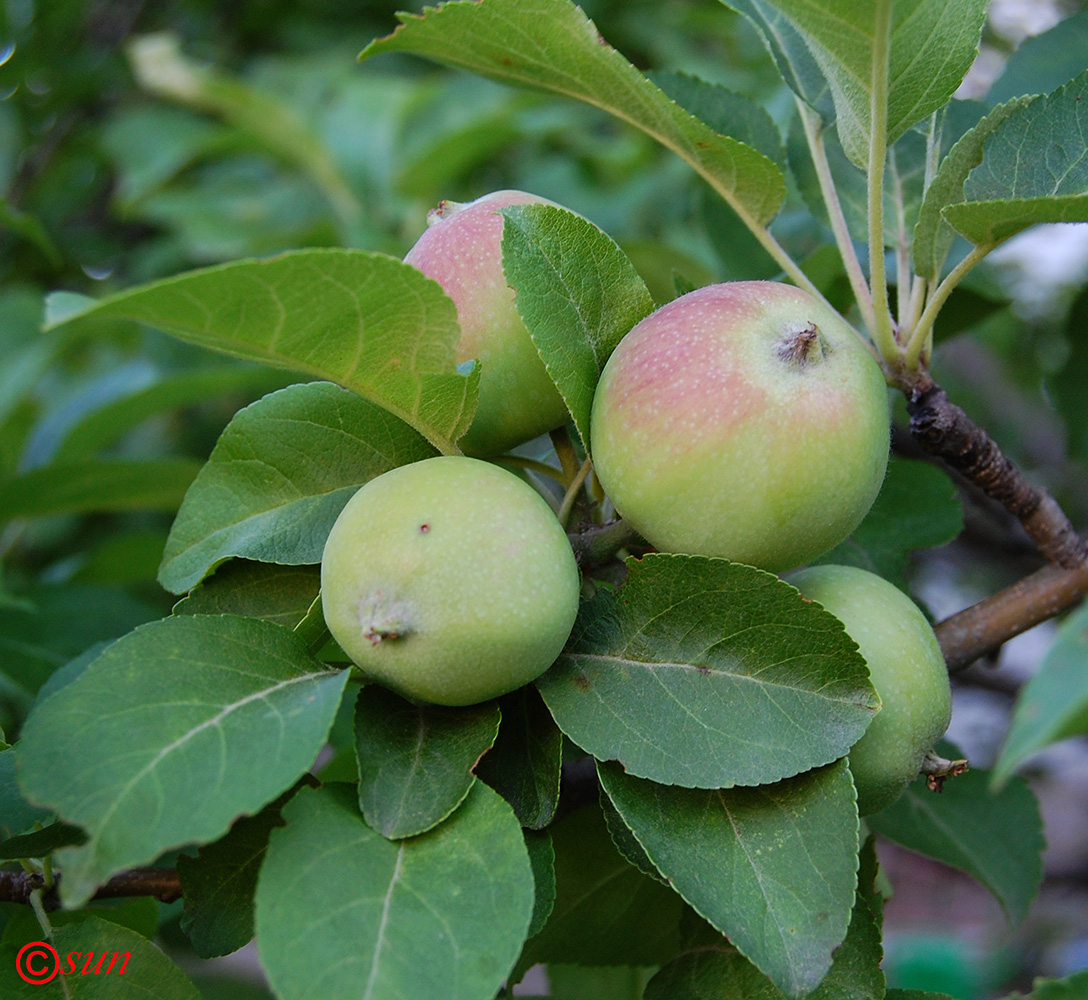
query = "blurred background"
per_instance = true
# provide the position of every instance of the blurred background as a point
(141, 138)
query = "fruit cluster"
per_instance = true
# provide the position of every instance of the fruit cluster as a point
(745, 421)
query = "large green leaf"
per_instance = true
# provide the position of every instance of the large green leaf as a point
(343, 912)
(995, 837)
(577, 293)
(1053, 705)
(929, 47)
(552, 45)
(100, 486)
(774, 867)
(364, 320)
(129, 967)
(278, 478)
(281, 594)
(170, 734)
(1044, 62)
(706, 673)
(16, 814)
(416, 760)
(1034, 169)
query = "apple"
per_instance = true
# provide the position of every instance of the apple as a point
(905, 666)
(461, 249)
(450, 581)
(744, 420)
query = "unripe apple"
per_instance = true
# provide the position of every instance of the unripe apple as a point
(450, 581)
(461, 249)
(744, 420)
(906, 668)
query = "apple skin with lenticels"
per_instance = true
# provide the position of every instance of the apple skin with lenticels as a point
(744, 420)
(461, 249)
(449, 581)
(907, 671)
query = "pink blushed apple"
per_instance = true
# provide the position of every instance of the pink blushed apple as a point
(461, 249)
(744, 420)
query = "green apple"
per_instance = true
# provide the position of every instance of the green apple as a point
(744, 420)
(450, 581)
(906, 668)
(461, 249)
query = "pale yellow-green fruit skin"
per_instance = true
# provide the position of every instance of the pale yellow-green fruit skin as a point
(449, 581)
(461, 249)
(906, 668)
(743, 420)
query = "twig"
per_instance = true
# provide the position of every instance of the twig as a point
(944, 430)
(975, 631)
(596, 544)
(162, 883)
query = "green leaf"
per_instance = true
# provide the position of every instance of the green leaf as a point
(132, 968)
(916, 995)
(995, 837)
(930, 47)
(933, 235)
(542, 858)
(606, 912)
(61, 623)
(791, 55)
(918, 508)
(774, 867)
(341, 911)
(416, 760)
(1034, 169)
(366, 321)
(99, 486)
(577, 293)
(170, 734)
(137, 913)
(108, 423)
(706, 673)
(1042, 63)
(552, 45)
(16, 814)
(279, 477)
(1070, 988)
(219, 884)
(41, 843)
(524, 764)
(1053, 705)
(280, 594)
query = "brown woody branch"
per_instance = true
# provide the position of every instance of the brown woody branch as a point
(162, 883)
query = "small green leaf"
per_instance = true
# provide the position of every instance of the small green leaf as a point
(341, 911)
(933, 235)
(774, 867)
(130, 967)
(995, 837)
(416, 760)
(16, 814)
(280, 594)
(1070, 988)
(219, 884)
(279, 477)
(606, 912)
(552, 45)
(542, 858)
(524, 764)
(706, 673)
(41, 843)
(1042, 63)
(99, 486)
(918, 508)
(365, 320)
(931, 46)
(1034, 169)
(170, 734)
(1053, 705)
(577, 293)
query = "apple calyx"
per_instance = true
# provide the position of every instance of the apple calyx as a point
(802, 348)
(444, 209)
(938, 770)
(383, 619)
